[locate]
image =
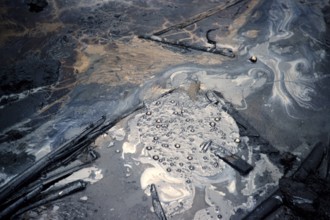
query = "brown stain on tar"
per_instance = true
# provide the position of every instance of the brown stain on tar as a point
(134, 62)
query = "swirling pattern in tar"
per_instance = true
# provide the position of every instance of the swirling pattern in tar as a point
(293, 55)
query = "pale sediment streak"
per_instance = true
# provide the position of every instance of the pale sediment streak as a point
(22, 95)
(281, 30)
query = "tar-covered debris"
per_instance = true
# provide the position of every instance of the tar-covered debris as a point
(36, 5)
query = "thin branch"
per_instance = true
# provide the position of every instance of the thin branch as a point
(215, 50)
(199, 17)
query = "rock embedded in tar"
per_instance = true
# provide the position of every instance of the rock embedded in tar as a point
(253, 59)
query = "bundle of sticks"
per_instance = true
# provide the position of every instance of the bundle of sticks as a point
(36, 185)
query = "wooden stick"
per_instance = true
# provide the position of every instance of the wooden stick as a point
(199, 17)
(215, 50)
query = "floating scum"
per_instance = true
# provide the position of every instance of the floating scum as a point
(177, 138)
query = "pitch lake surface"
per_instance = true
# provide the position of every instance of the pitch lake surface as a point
(74, 61)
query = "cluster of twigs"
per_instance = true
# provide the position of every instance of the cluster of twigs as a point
(35, 185)
(32, 187)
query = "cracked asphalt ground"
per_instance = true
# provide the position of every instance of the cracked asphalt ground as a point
(64, 64)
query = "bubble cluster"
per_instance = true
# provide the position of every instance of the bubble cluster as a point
(170, 140)
(173, 133)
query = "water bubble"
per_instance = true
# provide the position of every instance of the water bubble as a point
(162, 159)
(172, 164)
(157, 126)
(212, 124)
(148, 113)
(215, 164)
(178, 170)
(156, 138)
(181, 164)
(158, 120)
(188, 181)
(205, 158)
(155, 157)
(188, 120)
(168, 169)
(172, 101)
(149, 148)
(219, 216)
(165, 145)
(157, 103)
(192, 130)
(191, 167)
(217, 119)
(237, 140)
(189, 157)
(177, 145)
